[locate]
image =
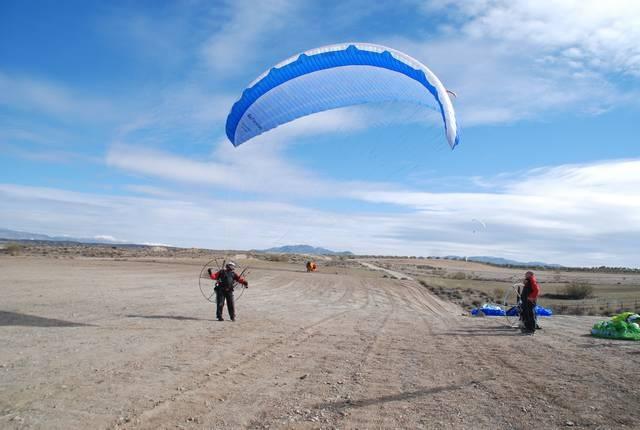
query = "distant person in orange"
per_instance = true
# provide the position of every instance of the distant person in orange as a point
(226, 278)
(311, 266)
(529, 296)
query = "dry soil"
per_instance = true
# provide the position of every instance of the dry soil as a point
(100, 343)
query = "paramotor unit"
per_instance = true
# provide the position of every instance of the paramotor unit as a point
(512, 304)
(208, 285)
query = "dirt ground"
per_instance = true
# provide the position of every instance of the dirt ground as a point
(100, 343)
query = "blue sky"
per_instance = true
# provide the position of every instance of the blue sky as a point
(112, 124)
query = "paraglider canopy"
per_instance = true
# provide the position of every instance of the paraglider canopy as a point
(336, 76)
(478, 225)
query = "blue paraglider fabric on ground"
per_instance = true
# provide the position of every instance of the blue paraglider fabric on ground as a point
(488, 310)
(540, 311)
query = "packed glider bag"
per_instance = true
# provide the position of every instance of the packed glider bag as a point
(332, 77)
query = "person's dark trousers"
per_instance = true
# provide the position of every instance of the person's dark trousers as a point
(528, 314)
(221, 296)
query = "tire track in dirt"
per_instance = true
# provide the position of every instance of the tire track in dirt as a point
(360, 318)
(298, 337)
(361, 302)
(553, 394)
(448, 360)
(377, 420)
(381, 349)
(445, 352)
(161, 407)
(378, 329)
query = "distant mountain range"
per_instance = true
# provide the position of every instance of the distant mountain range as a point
(23, 235)
(287, 249)
(303, 249)
(504, 261)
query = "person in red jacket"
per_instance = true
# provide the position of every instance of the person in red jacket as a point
(226, 279)
(529, 296)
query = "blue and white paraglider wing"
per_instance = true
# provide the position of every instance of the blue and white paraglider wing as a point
(332, 77)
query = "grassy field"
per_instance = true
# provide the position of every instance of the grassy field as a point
(470, 284)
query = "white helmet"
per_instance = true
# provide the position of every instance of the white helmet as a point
(230, 265)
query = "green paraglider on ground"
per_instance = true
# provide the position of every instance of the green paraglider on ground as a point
(623, 326)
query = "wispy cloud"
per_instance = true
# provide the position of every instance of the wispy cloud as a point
(204, 222)
(507, 60)
(573, 214)
(240, 172)
(245, 32)
(47, 155)
(581, 33)
(255, 167)
(586, 207)
(514, 60)
(41, 96)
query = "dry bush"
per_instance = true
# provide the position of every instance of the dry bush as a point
(578, 291)
(281, 258)
(498, 294)
(458, 276)
(579, 311)
(13, 248)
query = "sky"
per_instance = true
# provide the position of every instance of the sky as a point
(112, 122)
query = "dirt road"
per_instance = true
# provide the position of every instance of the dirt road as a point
(90, 343)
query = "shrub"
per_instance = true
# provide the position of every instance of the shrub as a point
(579, 311)
(13, 248)
(578, 290)
(498, 294)
(458, 275)
(276, 258)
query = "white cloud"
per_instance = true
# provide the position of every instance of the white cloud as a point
(495, 85)
(256, 166)
(592, 33)
(244, 33)
(107, 237)
(240, 170)
(220, 224)
(46, 155)
(573, 214)
(513, 60)
(34, 95)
